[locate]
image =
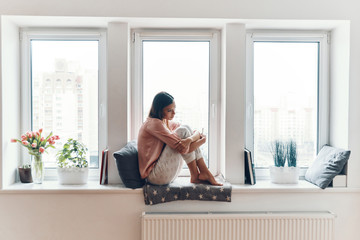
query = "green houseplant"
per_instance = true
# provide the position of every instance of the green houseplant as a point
(279, 153)
(72, 163)
(282, 152)
(291, 153)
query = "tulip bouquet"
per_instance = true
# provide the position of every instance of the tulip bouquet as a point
(37, 145)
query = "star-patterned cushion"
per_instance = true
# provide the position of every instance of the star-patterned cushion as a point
(182, 189)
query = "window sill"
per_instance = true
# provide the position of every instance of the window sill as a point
(94, 187)
(265, 186)
(55, 187)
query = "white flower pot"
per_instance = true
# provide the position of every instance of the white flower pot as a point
(284, 175)
(74, 176)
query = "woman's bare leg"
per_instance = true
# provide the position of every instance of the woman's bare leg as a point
(205, 174)
(194, 172)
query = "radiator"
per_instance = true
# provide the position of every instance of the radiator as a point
(238, 226)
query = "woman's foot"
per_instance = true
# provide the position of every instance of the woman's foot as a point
(195, 179)
(207, 176)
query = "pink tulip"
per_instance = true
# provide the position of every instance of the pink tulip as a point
(23, 137)
(34, 145)
(28, 134)
(41, 150)
(52, 142)
(25, 143)
(57, 137)
(13, 140)
(37, 134)
(42, 139)
(40, 130)
(33, 134)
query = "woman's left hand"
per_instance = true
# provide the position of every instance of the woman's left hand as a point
(202, 139)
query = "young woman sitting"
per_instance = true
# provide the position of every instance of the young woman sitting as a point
(161, 142)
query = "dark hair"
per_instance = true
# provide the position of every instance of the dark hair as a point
(161, 100)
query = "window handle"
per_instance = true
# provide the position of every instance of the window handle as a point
(213, 110)
(101, 110)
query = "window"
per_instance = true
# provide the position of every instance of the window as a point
(287, 91)
(186, 66)
(63, 55)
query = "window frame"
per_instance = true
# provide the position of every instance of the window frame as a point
(323, 100)
(76, 34)
(213, 36)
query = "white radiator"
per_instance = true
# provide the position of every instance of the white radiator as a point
(238, 226)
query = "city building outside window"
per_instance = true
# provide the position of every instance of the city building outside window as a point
(61, 71)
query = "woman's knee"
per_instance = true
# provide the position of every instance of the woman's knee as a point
(183, 131)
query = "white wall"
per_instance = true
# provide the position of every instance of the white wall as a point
(339, 86)
(114, 216)
(234, 101)
(10, 57)
(117, 215)
(117, 91)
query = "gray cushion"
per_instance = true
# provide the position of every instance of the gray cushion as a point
(328, 163)
(128, 165)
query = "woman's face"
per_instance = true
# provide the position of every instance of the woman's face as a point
(169, 111)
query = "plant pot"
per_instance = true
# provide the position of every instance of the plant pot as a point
(73, 176)
(284, 175)
(25, 175)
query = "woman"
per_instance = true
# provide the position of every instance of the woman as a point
(164, 144)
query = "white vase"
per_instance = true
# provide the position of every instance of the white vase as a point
(284, 175)
(73, 176)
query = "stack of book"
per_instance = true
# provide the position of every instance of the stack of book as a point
(249, 168)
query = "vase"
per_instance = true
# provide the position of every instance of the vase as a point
(37, 169)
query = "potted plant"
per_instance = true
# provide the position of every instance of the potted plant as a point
(36, 145)
(72, 163)
(282, 152)
(25, 173)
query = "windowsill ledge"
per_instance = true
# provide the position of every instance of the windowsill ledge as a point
(55, 187)
(265, 186)
(262, 186)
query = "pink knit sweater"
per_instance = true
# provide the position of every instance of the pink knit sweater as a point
(153, 136)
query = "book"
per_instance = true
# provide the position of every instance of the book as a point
(249, 168)
(104, 167)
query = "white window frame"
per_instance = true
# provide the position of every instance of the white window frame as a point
(28, 34)
(323, 38)
(136, 115)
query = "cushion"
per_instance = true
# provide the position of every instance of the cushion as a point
(128, 165)
(329, 162)
(182, 189)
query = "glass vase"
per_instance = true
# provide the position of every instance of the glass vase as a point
(37, 168)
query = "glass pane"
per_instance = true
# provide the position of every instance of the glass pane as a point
(65, 93)
(285, 98)
(181, 69)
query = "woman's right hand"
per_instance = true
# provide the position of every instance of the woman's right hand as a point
(183, 144)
